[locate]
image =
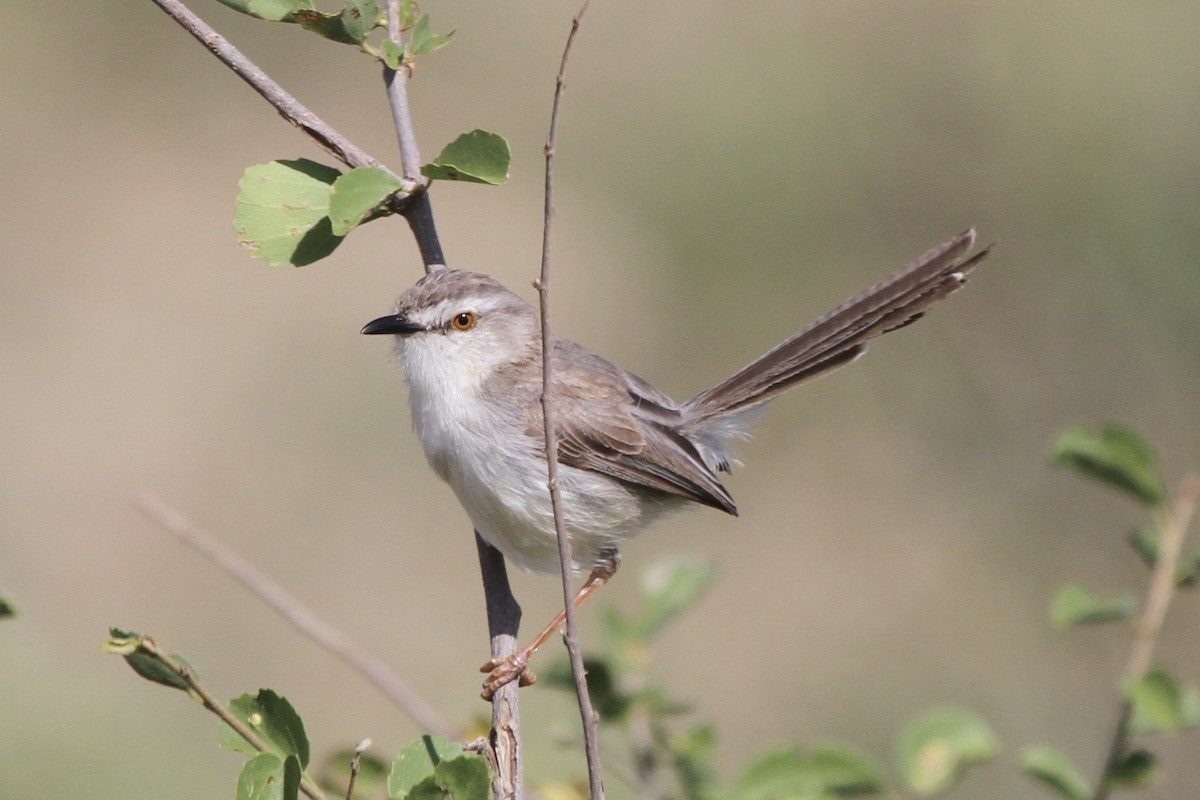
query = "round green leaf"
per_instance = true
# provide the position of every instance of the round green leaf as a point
(465, 777)
(274, 719)
(1114, 455)
(282, 212)
(478, 157)
(1053, 769)
(417, 761)
(7, 609)
(355, 193)
(1160, 703)
(935, 749)
(268, 776)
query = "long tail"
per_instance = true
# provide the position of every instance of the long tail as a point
(841, 336)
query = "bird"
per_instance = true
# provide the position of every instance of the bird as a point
(471, 353)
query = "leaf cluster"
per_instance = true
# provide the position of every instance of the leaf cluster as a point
(298, 211)
(266, 727)
(1117, 457)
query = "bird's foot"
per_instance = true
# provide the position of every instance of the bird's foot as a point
(503, 671)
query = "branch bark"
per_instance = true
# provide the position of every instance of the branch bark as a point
(416, 209)
(504, 622)
(571, 635)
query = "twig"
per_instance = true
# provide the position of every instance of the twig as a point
(1172, 525)
(197, 690)
(288, 106)
(416, 208)
(504, 621)
(355, 765)
(397, 92)
(571, 634)
(304, 620)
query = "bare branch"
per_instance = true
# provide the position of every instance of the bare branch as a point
(288, 107)
(571, 634)
(295, 612)
(1172, 526)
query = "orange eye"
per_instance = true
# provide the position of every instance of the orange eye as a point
(464, 320)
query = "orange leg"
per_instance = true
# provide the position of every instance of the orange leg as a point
(505, 670)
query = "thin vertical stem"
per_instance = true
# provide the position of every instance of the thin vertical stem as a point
(416, 208)
(586, 711)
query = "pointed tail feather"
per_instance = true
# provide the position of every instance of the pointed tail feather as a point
(841, 336)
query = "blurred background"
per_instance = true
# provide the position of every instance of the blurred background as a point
(727, 172)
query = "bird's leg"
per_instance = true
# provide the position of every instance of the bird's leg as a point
(505, 670)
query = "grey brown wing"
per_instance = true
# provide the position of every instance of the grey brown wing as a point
(619, 427)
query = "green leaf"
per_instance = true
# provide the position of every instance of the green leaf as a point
(269, 777)
(935, 749)
(827, 771)
(1052, 768)
(360, 17)
(282, 212)
(271, 10)
(417, 762)
(1160, 703)
(7, 609)
(693, 757)
(352, 25)
(669, 588)
(1137, 770)
(1115, 455)
(393, 54)
(1188, 572)
(141, 654)
(477, 157)
(464, 778)
(355, 193)
(1075, 605)
(408, 14)
(274, 719)
(422, 40)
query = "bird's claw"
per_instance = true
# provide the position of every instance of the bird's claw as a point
(503, 671)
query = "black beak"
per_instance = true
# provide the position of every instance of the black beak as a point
(396, 323)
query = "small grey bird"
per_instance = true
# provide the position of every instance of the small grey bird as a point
(628, 454)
